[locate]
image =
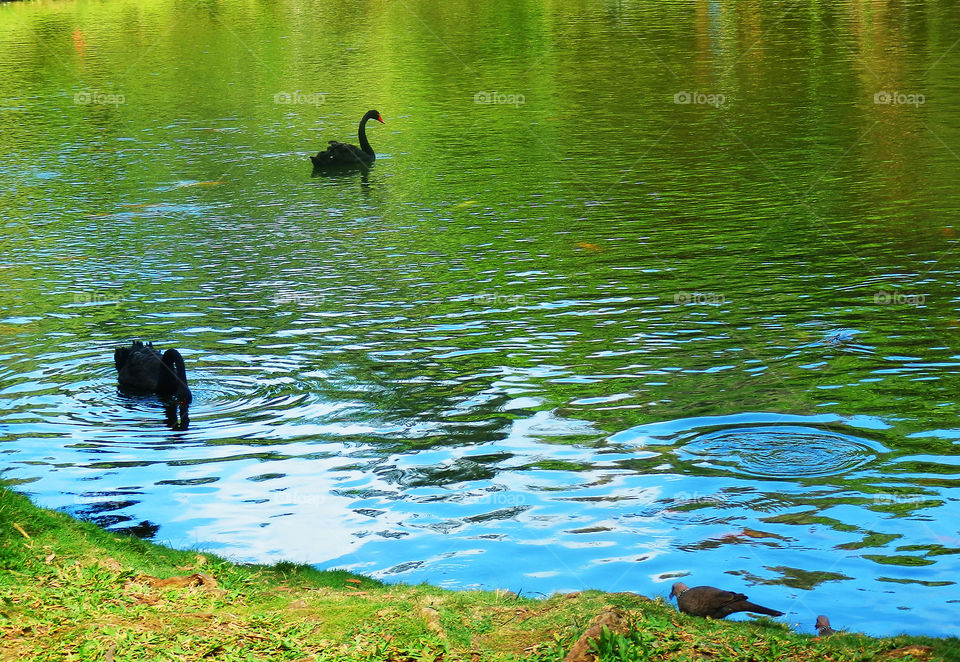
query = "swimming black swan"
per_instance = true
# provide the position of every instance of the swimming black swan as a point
(141, 367)
(342, 154)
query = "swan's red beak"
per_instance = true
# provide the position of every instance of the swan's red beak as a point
(380, 119)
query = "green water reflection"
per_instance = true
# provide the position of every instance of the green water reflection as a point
(633, 290)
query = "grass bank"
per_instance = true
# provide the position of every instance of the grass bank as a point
(72, 591)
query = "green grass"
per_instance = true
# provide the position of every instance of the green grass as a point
(72, 591)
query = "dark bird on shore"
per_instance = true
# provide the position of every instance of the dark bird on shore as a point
(143, 368)
(714, 602)
(823, 626)
(341, 154)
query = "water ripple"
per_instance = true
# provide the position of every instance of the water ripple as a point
(780, 451)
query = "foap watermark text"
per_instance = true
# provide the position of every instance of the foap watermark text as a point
(499, 98)
(699, 298)
(898, 98)
(899, 298)
(98, 98)
(300, 98)
(697, 98)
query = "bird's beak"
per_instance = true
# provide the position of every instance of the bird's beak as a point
(380, 119)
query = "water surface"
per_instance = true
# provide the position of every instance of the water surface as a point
(635, 291)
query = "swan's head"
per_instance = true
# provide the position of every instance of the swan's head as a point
(183, 397)
(182, 401)
(374, 115)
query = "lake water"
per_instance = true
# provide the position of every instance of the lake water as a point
(634, 291)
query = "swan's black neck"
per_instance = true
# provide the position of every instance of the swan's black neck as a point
(362, 134)
(172, 380)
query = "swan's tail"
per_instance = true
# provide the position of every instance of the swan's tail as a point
(120, 356)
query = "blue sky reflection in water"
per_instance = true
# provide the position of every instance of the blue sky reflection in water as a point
(633, 292)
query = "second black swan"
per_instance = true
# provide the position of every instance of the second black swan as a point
(142, 367)
(342, 154)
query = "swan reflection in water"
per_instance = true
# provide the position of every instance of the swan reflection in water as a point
(343, 172)
(174, 417)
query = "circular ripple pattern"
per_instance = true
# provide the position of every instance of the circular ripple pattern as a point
(74, 393)
(780, 451)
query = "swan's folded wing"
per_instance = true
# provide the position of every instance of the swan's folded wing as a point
(137, 365)
(339, 153)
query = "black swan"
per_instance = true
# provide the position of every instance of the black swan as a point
(342, 154)
(141, 367)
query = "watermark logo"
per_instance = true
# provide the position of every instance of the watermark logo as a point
(699, 298)
(299, 299)
(897, 98)
(686, 498)
(898, 299)
(500, 299)
(306, 499)
(684, 98)
(504, 499)
(92, 298)
(895, 499)
(98, 98)
(499, 98)
(300, 98)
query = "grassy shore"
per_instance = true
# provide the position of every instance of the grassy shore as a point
(71, 591)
